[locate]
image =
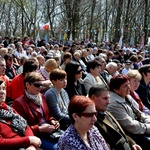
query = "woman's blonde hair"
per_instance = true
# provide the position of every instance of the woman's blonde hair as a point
(134, 74)
(51, 64)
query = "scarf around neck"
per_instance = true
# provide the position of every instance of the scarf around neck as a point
(36, 99)
(18, 123)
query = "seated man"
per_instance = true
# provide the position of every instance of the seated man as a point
(107, 124)
(133, 121)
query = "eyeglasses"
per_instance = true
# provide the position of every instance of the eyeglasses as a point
(79, 71)
(38, 84)
(88, 115)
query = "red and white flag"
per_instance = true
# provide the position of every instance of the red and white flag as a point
(45, 26)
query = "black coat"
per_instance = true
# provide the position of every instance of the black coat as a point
(78, 89)
(144, 93)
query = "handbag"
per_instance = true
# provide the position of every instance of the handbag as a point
(54, 137)
(57, 134)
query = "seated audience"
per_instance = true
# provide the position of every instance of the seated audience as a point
(135, 78)
(103, 66)
(144, 88)
(41, 60)
(57, 98)
(74, 80)
(107, 124)
(110, 71)
(133, 121)
(92, 78)
(32, 106)
(17, 83)
(14, 130)
(82, 134)
(127, 67)
(84, 56)
(67, 57)
(58, 60)
(49, 66)
(5, 78)
(45, 71)
(3, 52)
(19, 51)
(134, 60)
(22, 60)
(11, 68)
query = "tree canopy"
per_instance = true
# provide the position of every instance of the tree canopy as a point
(94, 19)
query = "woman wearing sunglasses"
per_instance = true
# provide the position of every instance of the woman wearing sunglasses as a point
(74, 80)
(14, 131)
(82, 134)
(57, 98)
(33, 107)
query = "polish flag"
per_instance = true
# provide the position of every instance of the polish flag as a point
(45, 26)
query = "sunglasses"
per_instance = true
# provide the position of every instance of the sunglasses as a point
(148, 71)
(37, 84)
(89, 115)
(79, 71)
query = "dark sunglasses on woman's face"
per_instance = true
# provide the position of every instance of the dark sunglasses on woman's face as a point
(88, 115)
(148, 70)
(79, 71)
(38, 84)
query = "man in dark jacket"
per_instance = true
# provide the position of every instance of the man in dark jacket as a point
(107, 124)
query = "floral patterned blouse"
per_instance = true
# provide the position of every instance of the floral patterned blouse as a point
(71, 140)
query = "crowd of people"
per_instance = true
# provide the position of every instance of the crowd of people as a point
(98, 95)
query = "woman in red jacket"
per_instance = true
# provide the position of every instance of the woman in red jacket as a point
(33, 107)
(14, 131)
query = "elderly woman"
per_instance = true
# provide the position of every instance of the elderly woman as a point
(82, 134)
(33, 107)
(49, 66)
(57, 98)
(135, 78)
(14, 131)
(134, 122)
(92, 78)
(45, 71)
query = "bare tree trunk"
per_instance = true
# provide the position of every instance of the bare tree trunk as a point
(118, 20)
(146, 20)
(75, 17)
(92, 15)
(126, 22)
